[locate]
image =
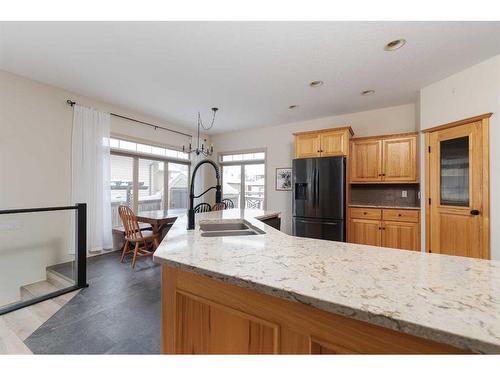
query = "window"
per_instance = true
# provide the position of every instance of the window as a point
(147, 182)
(140, 148)
(244, 172)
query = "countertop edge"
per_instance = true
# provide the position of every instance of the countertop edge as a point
(398, 325)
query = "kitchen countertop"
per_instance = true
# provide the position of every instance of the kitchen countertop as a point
(452, 300)
(384, 206)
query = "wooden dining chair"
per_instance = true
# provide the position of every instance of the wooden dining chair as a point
(202, 207)
(144, 242)
(228, 203)
(219, 206)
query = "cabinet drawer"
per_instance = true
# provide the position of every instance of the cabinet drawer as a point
(366, 213)
(401, 215)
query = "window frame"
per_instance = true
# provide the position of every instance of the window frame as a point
(135, 167)
(242, 164)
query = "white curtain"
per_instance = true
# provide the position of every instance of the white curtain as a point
(90, 173)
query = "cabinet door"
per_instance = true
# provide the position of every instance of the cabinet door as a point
(334, 143)
(366, 161)
(365, 232)
(307, 145)
(205, 327)
(399, 159)
(401, 235)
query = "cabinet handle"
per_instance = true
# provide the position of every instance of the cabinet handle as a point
(364, 213)
(400, 215)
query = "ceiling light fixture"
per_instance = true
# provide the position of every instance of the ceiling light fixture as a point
(316, 83)
(395, 44)
(200, 147)
(367, 92)
(293, 106)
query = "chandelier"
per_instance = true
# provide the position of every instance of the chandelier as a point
(201, 148)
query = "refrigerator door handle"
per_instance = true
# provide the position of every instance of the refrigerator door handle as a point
(317, 187)
(314, 188)
(316, 222)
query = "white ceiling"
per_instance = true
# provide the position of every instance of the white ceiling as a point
(252, 70)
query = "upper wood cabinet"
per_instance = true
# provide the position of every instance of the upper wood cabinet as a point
(366, 161)
(322, 143)
(307, 146)
(384, 159)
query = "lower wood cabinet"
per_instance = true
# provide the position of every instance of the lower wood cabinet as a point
(366, 232)
(207, 327)
(399, 229)
(400, 235)
(205, 316)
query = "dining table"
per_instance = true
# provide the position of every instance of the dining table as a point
(159, 219)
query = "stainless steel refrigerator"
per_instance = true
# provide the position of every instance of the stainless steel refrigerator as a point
(319, 198)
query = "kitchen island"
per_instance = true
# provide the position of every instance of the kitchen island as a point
(275, 293)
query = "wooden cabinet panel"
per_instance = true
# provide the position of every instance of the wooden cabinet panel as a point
(334, 143)
(386, 159)
(366, 213)
(307, 145)
(365, 232)
(399, 229)
(366, 161)
(401, 235)
(399, 159)
(296, 328)
(323, 143)
(326, 347)
(203, 327)
(411, 216)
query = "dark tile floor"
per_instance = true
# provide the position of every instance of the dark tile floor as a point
(119, 313)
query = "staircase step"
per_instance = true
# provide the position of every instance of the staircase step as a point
(37, 289)
(58, 279)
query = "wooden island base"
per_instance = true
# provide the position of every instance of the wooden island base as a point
(204, 316)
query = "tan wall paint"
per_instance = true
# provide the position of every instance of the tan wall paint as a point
(35, 149)
(279, 143)
(469, 93)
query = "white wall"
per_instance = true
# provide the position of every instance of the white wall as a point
(35, 149)
(469, 93)
(279, 143)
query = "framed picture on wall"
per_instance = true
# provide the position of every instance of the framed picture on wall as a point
(284, 179)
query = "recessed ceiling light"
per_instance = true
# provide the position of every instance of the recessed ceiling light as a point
(395, 44)
(367, 92)
(316, 83)
(293, 106)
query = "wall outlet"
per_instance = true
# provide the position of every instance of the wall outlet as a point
(404, 193)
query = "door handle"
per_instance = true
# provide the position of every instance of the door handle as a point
(475, 212)
(317, 188)
(317, 222)
(314, 188)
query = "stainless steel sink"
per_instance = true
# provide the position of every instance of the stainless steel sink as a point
(231, 228)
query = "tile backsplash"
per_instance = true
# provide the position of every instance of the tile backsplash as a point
(389, 195)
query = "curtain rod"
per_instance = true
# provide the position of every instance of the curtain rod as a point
(72, 103)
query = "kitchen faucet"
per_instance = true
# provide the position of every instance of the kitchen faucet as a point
(218, 193)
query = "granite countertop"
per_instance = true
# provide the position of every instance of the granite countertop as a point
(453, 300)
(383, 206)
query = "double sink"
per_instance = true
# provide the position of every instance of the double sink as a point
(229, 228)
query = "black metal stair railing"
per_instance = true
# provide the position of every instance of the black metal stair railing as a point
(80, 258)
